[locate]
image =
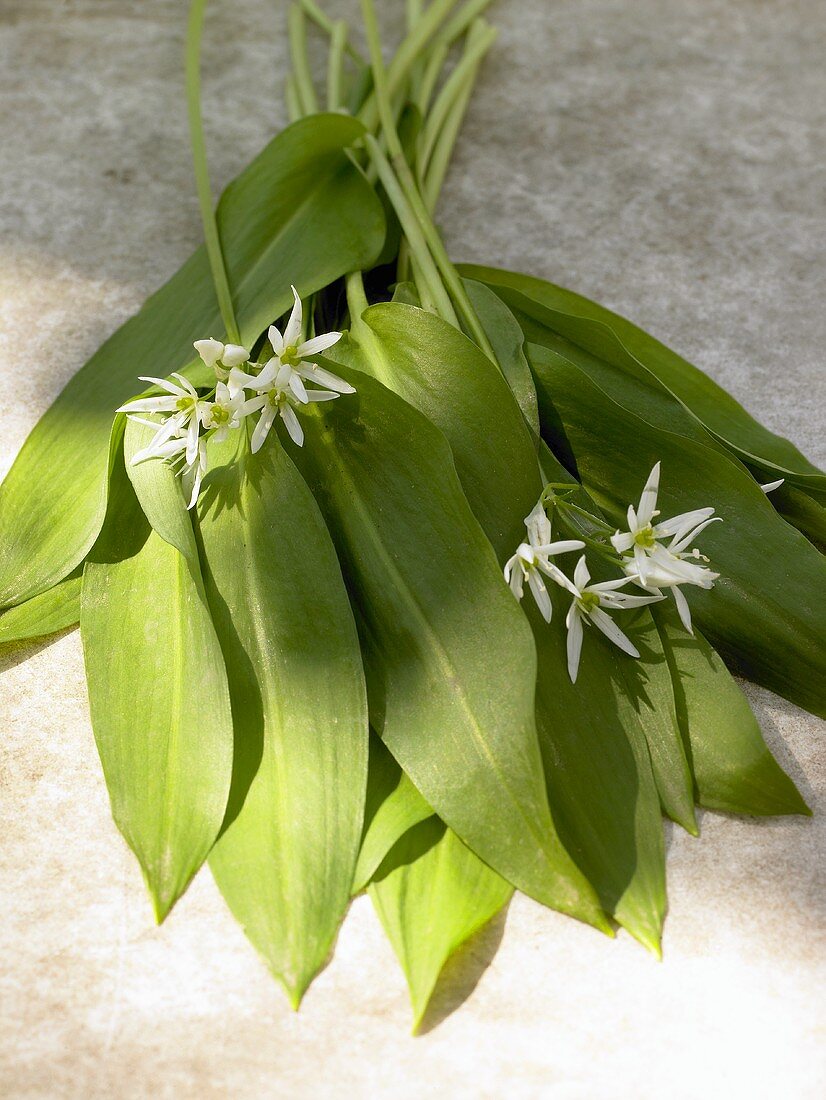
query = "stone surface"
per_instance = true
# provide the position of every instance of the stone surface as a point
(663, 157)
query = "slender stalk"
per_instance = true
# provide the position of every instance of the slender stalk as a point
(440, 158)
(432, 72)
(335, 66)
(400, 176)
(356, 298)
(431, 289)
(456, 26)
(297, 26)
(357, 303)
(480, 40)
(325, 23)
(294, 111)
(212, 237)
(414, 10)
(409, 49)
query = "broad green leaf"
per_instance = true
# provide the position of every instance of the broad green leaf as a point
(286, 856)
(160, 495)
(507, 340)
(651, 694)
(733, 768)
(393, 806)
(591, 738)
(301, 212)
(558, 309)
(431, 894)
(53, 610)
(450, 660)
(765, 614)
(437, 369)
(158, 697)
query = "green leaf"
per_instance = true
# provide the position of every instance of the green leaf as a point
(286, 857)
(301, 212)
(560, 310)
(508, 342)
(160, 495)
(733, 768)
(158, 697)
(591, 737)
(393, 806)
(450, 661)
(53, 610)
(764, 614)
(651, 693)
(431, 894)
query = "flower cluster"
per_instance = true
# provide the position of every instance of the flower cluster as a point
(655, 556)
(274, 388)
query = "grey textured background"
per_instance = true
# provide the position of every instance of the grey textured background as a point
(663, 157)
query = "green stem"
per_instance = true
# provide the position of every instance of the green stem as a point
(425, 242)
(480, 39)
(325, 23)
(294, 111)
(442, 153)
(335, 66)
(441, 47)
(409, 49)
(297, 25)
(431, 289)
(212, 237)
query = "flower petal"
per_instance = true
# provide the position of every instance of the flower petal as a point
(318, 344)
(293, 426)
(209, 350)
(163, 384)
(262, 428)
(321, 395)
(234, 355)
(581, 573)
(297, 387)
(150, 404)
(540, 594)
(324, 378)
(683, 610)
(292, 333)
(276, 340)
(611, 631)
(574, 645)
(648, 500)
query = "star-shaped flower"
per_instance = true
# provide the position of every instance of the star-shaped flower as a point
(289, 367)
(532, 558)
(224, 412)
(587, 608)
(278, 401)
(658, 566)
(183, 407)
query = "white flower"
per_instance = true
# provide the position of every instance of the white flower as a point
(770, 486)
(655, 566)
(221, 357)
(586, 607)
(531, 558)
(226, 411)
(276, 401)
(288, 369)
(183, 406)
